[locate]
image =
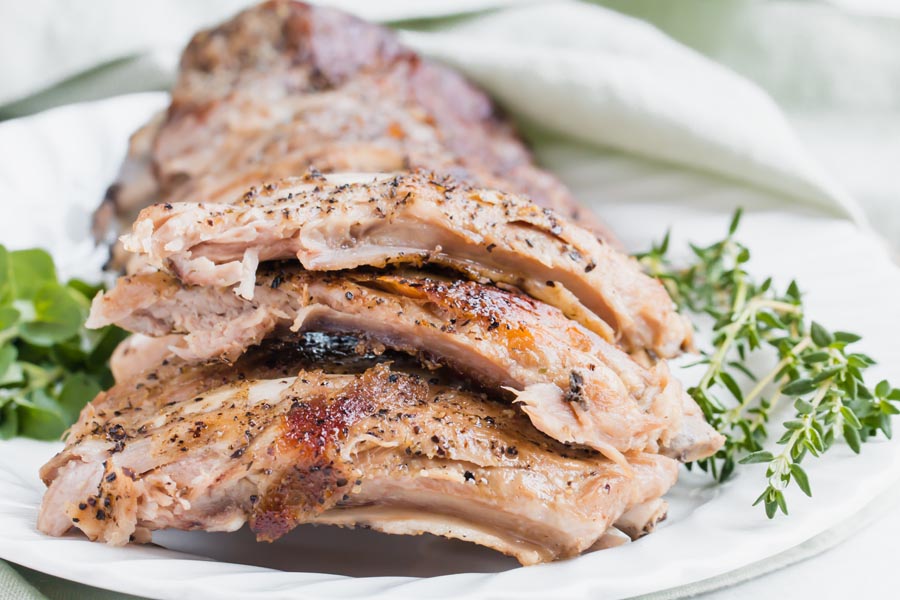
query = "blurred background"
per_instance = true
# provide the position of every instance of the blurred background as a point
(833, 67)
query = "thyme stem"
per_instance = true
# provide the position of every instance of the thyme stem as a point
(757, 389)
(814, 367)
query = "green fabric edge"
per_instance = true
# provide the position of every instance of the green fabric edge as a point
(20, 583)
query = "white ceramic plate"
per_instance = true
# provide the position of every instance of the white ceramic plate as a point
(54, 168)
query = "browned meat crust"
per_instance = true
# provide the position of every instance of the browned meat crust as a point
(209, 447)
(372, 428)
(575, 386)
(286, 86)
(415, 218)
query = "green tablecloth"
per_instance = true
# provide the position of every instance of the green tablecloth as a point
(19, 583)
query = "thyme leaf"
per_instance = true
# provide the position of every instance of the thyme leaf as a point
(814, 369)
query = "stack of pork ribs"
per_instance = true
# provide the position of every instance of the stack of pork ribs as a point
(356, 301)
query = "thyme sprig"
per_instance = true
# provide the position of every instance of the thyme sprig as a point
(814, 369)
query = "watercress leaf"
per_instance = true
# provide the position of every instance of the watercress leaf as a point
(883, 388)
(8, 356)
(13, 375)
(5, 282)
(40, 423)
(30, 270)
(68, 353)
(84, 289)
(9, 316)
(9, 421)
(40, 418)
(36, 375)
(109, 338)
(57, 317)
(78, 389)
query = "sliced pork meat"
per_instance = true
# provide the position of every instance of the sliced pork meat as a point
(136, 353)
(212, 447)
(286, 86)
(574, 386)
(415, 218)
(430, 337)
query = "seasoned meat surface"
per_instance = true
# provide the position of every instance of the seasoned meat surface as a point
(415, 218)
(356, 301)
(575, 386)
(387, 446)
(286, 86)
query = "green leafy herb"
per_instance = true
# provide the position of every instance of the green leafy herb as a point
(814, 369)
(50, 365)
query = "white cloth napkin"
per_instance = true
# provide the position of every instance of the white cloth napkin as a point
(576, 70)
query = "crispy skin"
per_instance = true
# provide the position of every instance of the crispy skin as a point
(285, 86)
(210, 447)
(575, 386)
(415, 218)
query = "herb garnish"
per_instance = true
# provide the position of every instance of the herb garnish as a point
(50, 365)
(814, 368)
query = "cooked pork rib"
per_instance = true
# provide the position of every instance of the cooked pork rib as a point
(286, 86)
(249, 419)
(210, 447)
(415, 219)
(137, 353)
(575, 386)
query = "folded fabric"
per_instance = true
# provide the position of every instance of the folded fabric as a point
(579, 70)
(600, 77)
